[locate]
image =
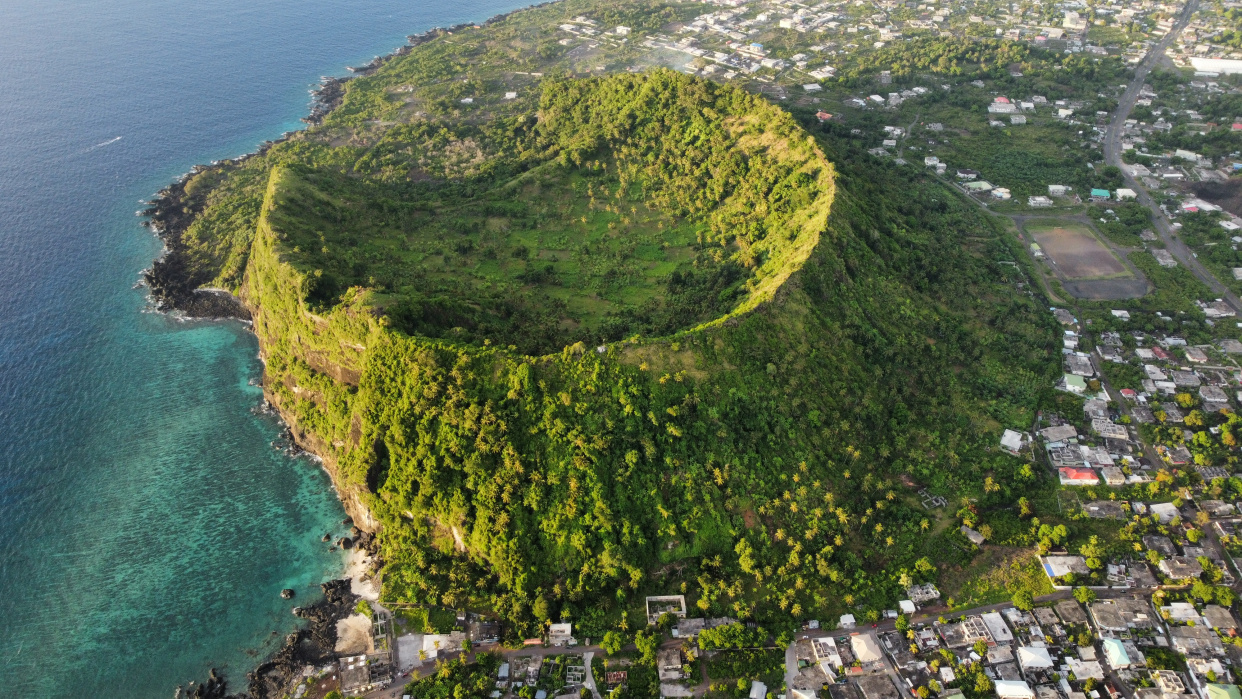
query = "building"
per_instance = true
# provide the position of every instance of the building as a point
(1059, 433)
(1012, 442)
(1115, 654)
(877, 687)
(1164, 257)
(561, 634)
(668, 663)
(1165, 512)
(1198, 641)
(1107, 428)
(1058, 190)
(965, 633)
(355, 674)
(1219, 618)
(825, 650)
(484, 631)
(1120, 615)
(1014, 689)
(1100, 195)
(1078, 476)
(689, 628)
(996, 627)
(865, 648)
(1060, 566)
(1181, 568)
(1123, 194)
(1223, 691)
(975, 537)
(1216, 508)
(922, 594)
(1034, 658)
(1038, 202)
(1070, 611)
(1168, 682)
(1104, 509)
(665, 604)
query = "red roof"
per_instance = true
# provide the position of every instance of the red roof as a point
(1128, 392)
(1237, 127)
(823, 116)
(1078, 474)
(1160, 353)
(1002, 100)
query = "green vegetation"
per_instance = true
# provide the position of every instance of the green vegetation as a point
(767, 666)
(457, 679)
(732, 636)
(581, 225)
(792, 342)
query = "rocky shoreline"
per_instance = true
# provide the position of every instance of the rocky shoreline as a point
(176, 286)
(313, 645)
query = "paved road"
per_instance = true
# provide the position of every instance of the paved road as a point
(590, 674)
(1112, 155)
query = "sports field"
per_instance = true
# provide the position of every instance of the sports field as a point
(1075, 250)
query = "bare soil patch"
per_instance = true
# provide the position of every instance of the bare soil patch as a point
(1076, 252)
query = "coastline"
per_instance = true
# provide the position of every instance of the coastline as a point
(173, 289)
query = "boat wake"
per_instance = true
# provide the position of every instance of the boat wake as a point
(97, 146)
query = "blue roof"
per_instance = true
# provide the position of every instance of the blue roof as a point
(1099, 192)
(1116, 653)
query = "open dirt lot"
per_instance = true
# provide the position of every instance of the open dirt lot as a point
(1076, 253)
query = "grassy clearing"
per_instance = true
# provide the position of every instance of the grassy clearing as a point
(547, 229)
(995, 576)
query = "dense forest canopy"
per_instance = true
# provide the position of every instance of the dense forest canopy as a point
(793, 348)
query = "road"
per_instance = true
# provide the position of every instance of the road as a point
(1098, 364)
(1112, 156)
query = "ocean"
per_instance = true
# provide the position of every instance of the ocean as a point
(147, 521)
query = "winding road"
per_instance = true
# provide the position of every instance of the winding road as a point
(1112, 156)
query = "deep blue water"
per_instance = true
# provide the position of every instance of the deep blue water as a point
(146, 523)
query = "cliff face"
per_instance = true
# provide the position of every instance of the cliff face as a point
(313, 362)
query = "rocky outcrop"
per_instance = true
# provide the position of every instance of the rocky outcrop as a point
(325, 98)
(174, 281)
(214, 688)
(312, 645)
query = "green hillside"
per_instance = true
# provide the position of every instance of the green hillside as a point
(794, 341)
(587, 223)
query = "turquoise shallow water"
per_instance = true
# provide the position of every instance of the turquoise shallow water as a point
(146, 523)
